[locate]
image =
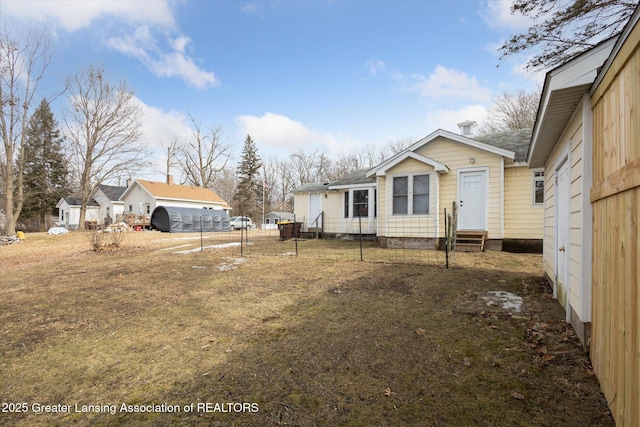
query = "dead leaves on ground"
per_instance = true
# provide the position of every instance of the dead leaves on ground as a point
(549, 339)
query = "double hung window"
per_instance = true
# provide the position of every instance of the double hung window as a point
(411, 194)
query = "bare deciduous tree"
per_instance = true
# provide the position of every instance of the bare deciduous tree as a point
(172, 151)
(562, 29)
(309, 167)
(24, 60)
(511, 112)
(225, 184)
(202, 158)
(103, 128)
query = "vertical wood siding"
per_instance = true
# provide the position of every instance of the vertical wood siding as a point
(615, 342)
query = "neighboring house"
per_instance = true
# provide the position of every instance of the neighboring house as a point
(273, 217)
(108, 197)
(587, 137)
(403, 198)
(140, 198)
(69, 212)
(143, 196)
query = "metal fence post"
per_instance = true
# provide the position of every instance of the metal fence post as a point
(360, 229)
(295, 235)
(241, 247)
(446, 239)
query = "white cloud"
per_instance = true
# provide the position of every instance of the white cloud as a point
(449, 119)
(161, 128)
(375, 65)
(447, 83)
(250, 8)
(147, 23)
(280, 135)
(75, 15)
(142, 45)
(497, 14)
(536, 77)
(180, 43)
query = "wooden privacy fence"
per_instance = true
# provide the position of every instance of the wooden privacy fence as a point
(615, 195)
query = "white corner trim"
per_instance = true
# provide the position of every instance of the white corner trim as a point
(587, 210)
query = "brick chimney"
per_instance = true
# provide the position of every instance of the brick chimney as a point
(169, 179)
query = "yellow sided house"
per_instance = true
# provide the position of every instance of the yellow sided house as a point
(402, 200)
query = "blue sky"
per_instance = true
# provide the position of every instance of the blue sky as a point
(294, 75)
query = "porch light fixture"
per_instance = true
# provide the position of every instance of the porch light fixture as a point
(472, 159)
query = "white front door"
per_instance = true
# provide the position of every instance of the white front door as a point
(563, 213)
(472, 214)
(315, 209)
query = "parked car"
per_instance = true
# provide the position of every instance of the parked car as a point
(238, 222)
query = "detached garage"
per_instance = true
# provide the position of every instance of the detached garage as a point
(186, 220)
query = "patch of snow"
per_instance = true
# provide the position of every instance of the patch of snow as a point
(234, 263)
(172, 248)
(57, 230)
(222, 245)
(507, 300)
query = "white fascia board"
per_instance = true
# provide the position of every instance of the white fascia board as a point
(621, 39)
(354, 186)
(579, 71)
(173, 199)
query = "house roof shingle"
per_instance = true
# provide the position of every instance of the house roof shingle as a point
(112, 192)
(287, 215)
(312, 188)
(161, 190)
(77, 201)
(356, 177)
(517, 141)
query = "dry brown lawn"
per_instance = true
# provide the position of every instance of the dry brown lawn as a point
(145, 336)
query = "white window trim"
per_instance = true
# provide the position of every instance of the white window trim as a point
(372, 201)
(535, 178)
(410, 175)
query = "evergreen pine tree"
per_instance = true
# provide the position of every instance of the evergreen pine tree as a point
(248, 197)
(46, 168)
